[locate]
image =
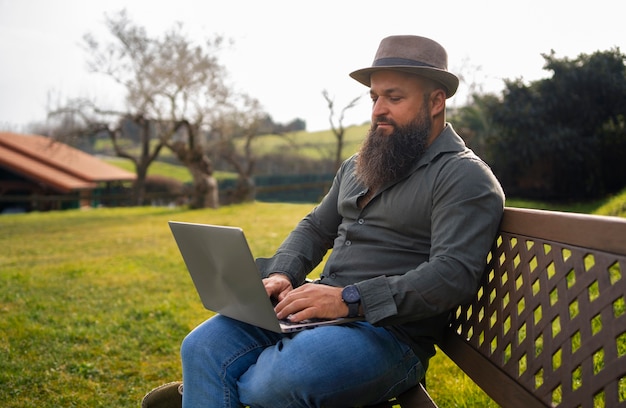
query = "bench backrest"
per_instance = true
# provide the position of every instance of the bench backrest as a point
(548, 325)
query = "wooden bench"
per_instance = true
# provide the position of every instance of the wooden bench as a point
(548, 325)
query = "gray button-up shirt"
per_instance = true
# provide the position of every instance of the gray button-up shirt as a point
(415, 251)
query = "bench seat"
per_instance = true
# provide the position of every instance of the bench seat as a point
(547, 327)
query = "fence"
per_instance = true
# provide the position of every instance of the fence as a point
(310, 191)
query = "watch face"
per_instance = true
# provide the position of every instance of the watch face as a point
(350, 294)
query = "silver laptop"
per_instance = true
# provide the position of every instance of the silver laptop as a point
(227, 279)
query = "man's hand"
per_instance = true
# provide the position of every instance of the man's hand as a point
(311, 301)
(277, 286)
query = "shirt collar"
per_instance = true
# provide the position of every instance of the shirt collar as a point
(448, 141)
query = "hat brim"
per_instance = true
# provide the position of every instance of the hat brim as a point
(449, 81)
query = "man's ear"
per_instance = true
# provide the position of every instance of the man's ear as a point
(437, 102)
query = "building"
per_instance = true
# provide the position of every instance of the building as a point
(39, 174)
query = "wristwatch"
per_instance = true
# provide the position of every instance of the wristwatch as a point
(351, 297)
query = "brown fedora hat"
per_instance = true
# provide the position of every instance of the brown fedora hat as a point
(412, 54)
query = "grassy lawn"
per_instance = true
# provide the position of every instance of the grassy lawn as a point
(159, 168)
(313, 145)
(94, 304)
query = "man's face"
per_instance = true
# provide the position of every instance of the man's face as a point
(395, 142)
(397, 98)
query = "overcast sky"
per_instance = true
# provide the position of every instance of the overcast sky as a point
(286, 53)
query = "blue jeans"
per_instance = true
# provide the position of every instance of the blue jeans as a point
(227, 363)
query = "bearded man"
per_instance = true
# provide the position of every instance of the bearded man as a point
(410, 220)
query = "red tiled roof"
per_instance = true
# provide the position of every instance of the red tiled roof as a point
(56, 164)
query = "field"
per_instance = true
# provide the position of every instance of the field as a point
(94, 304)
(312, 145)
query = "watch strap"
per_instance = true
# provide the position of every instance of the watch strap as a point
(353, 309)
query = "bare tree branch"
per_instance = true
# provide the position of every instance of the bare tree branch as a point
(338, 130)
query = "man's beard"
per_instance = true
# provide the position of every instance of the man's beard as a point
(385, 158)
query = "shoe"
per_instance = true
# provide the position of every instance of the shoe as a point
(168, 395)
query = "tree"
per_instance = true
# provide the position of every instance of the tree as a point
(233, 135)
(563, 137)
(474, 124)
(178, 89)
(81, 119)
(338, 129)
(177, 84)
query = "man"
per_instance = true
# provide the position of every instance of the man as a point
(410, 220)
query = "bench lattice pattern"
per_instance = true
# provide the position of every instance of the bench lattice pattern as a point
(554, 319)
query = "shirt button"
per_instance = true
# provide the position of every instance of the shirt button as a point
(361, 221)
(348, 243)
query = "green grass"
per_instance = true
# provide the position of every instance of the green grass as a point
(159, 168)
(614, 206)
(312, 145)
(94, 304)
(178, 172)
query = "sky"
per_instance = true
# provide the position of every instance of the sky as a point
(285, 53)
